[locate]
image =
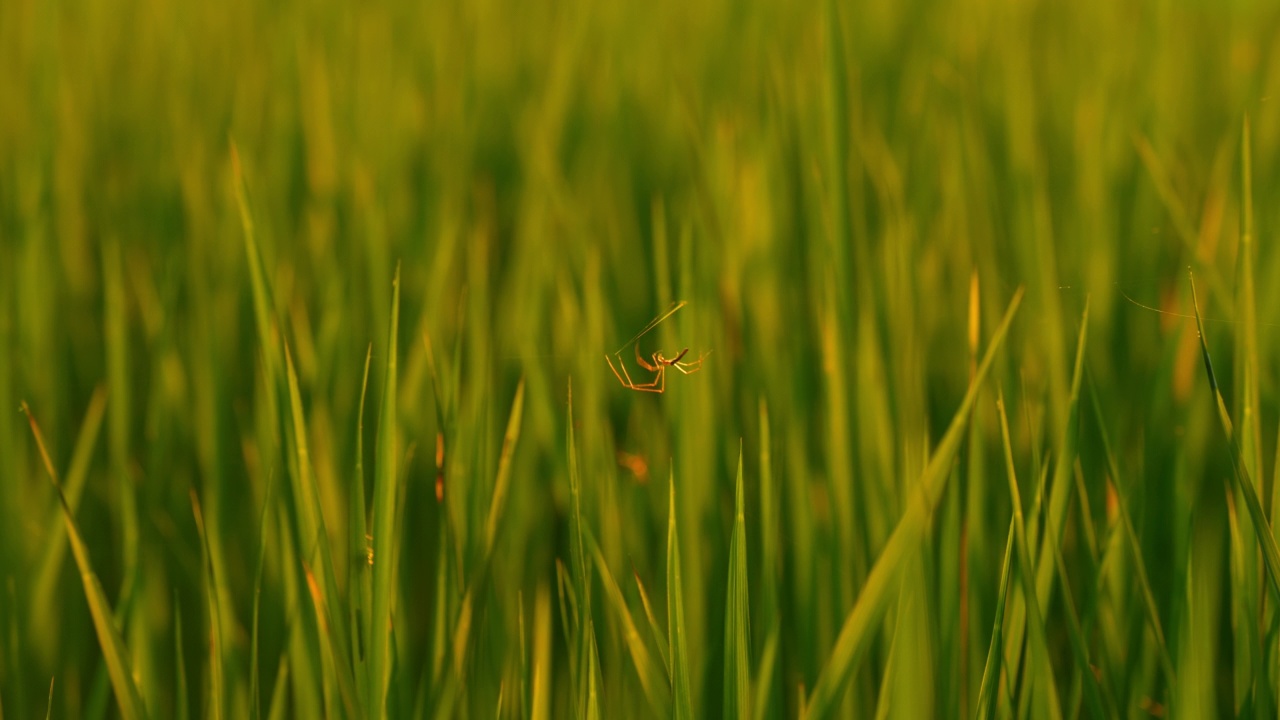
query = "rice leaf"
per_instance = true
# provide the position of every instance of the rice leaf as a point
(1243, 484)
(991, 671)
(655, 628)
(682, 699)
(647, 670)
(1150, 609)
(114, 651)
(861, 623)
(737, 624)
(385, 540)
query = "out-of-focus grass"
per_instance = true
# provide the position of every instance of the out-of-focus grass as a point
(214, 219)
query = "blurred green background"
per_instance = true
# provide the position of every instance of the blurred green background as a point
(848, 196)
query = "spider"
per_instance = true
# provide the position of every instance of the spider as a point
(659, 363)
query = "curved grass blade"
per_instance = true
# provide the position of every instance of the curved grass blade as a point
(540, 700)
(503, 482)
(682, 699)
(46, 585)
(385, 491)
(860, 624)
(255, 701)
(770, 542)
(333, 630)
(359, 589)
(659, 636)
(216, 670)
(737, 621)
(995, 655)
(1135, 548)
(647, 669)
(1240, 476)
(1046, 690)
(114, 651)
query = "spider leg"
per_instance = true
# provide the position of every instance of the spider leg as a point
(691, 367)
(641, 361)
(658, 385)
(625, 383)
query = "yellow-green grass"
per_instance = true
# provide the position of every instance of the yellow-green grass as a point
(307, 306)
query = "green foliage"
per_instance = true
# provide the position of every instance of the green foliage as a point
(955, 434)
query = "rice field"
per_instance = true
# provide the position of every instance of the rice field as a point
(318, 398)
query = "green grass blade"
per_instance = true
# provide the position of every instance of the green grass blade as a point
(1262, 529)
(255, 701)
(217, 670)
(647, 669)
(1135, 547)
(182, 698)
(503, 482)
(46, 584)
(737, 622)
(987, 694)
(359, 587)
(655, 628)
(263, 306)
(770, 577)
(1045, 690)
(385, 492)
(1060, 485)
(682, 699)
(540, 697)
(333, 629)
(861, 623)
(577, 535)
(114, 651)
(335, 663)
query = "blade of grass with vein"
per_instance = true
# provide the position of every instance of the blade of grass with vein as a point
(1135, 547)
(1248, 646)
(1045, 691)
(991, 671)
(503, 481)
(585, 677)
(682, 699)
(737, 621)
(46, 585)
(384, 531)
(359, 588)
(655, 628)
(333, 631)
(540, 699)
(648, 670)
(1262, 529)
(770, 542)
(114, 651)
(181, 696)
(255, 701)
(263, 306)
(1243, 609)
(280, 695)
(1093, 692)
(861, 623)
(1060, 485)
(216, 669)
(334, 663)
